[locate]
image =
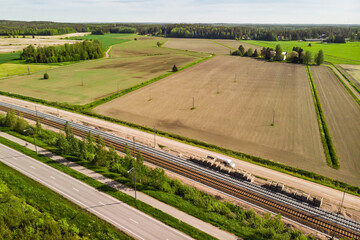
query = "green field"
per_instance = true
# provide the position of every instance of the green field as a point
(88, 81)
(9, 57)
(337, 53)
(108, 40)
(9, 69)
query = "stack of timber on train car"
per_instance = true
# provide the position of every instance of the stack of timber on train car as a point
(297, 194)
(222, 167)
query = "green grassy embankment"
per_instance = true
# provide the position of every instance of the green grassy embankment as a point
(29, 210)
(329, 149)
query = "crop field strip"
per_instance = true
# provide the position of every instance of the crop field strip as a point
(231, 187)
(342, 115)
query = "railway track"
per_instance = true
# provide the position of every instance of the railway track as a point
(316, 218)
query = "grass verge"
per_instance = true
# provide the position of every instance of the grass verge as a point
(329, 150)
(46, 213)
(161, 216)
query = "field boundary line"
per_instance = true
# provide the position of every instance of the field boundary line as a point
(330, 154)
(223, 45)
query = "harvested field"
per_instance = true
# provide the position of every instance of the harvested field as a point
(235, 44)
(234, 99)
(18, 44)
(342, 116)
(197, 45)
(147, 46)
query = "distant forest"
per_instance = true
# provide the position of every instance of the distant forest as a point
(334, 33)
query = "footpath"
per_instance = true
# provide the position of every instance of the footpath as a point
(201, 225)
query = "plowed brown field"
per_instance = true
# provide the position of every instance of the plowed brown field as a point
(235, 99)
(342, 116)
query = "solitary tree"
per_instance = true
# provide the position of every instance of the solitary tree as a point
(174, 69)
(46, 76)
(255, 54)
(249, 52)
(319, 58)
(307, 58)
(293, 57)
(242, 50)
(278, 53)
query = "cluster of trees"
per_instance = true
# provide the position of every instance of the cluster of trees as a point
(88, 49)
(297, 55)
(36, 225)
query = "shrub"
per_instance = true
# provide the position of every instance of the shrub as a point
(175, 69)
(46, 76)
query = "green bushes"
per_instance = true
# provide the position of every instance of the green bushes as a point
(329, 149)
(46, 76)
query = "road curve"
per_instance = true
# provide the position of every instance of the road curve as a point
(122, 216)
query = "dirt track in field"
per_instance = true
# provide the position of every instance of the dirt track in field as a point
(234, 102)
(342, 116)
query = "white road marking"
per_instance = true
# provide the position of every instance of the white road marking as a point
(52, 177)
(133, 221)
(101, 203)
(32, 167)
(14, 158)
(76, 189)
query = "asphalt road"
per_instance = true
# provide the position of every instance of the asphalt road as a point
(122, 216)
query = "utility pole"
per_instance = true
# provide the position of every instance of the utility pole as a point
(28, 70)
(154, 137)
(34, 139)
(273, 120)
(341, 205)
(193, 107)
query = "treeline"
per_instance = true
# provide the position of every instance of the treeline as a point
(254, 32)
(69, 52)
(91, 151)
(212, 31)
(297, 55)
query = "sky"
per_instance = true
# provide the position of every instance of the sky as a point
(185, 11)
